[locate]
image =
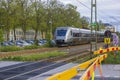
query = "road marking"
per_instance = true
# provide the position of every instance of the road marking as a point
(19, 66)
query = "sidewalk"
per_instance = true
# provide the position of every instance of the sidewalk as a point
(110, 72)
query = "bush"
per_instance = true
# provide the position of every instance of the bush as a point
(9, 48)
(47, 44)
(50, 43)
(111, 59)
(31, 47)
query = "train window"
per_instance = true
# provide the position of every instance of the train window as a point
(80, 34)
(61, 32)
(86, 35)
(75, 34)
(89, 35)
(83, 34)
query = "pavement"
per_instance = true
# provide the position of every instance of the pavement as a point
(110, 71)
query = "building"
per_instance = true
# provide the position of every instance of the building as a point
(30, 34)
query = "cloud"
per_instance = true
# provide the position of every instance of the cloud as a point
(105, 9)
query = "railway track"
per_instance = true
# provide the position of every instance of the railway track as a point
(41, 50)
(25, 52)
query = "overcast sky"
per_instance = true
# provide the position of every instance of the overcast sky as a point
(108, 10)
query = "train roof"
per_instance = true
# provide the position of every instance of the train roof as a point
(79, 30)
(63, 27)
(84, 30)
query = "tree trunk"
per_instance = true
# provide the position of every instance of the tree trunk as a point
(35, 38)
(42, 34)
(24, 35)
(14, 34)
(36, 32)
(8, 35)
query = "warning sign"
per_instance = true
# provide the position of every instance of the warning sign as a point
(107, 40)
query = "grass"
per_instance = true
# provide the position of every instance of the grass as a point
(34, 57)
(111, 59)
(9, 48)
(15, 48)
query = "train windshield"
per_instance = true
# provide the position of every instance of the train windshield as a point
(61, 32)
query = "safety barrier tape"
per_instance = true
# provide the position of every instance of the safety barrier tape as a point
(106, 50)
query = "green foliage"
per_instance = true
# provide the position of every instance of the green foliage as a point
(48, 44)
(35, 57)
(39, 16)
(111, 58)
(1, 36)
(31, 47)
(9, 48)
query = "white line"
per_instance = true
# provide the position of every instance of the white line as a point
(19, 66)
(116, 76)
(107, 76)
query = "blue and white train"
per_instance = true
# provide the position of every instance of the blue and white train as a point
(73, 36)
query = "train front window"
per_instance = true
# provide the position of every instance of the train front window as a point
(61, 32)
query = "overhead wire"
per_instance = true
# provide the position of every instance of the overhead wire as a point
(98, 13)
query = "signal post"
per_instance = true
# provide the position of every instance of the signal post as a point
(107, 38)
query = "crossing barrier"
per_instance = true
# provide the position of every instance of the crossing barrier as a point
(88, 66)
(88, 73)
(106, 50)
(72, 72)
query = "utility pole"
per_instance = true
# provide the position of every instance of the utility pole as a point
(93, 23)
(96, 23)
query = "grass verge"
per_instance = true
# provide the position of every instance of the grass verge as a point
(34, 57)
(111, 59)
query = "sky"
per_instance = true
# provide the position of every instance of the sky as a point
(107, 10)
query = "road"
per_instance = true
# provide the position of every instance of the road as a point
(110, 72)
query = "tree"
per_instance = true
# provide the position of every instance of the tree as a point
(1, 36)
(15, 16)
(38, 16)
(24, 11)
(84, 22)
(6, 6)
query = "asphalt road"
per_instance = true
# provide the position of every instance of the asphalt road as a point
(24, 71)
(110, 72)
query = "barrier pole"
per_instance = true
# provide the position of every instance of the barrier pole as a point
(72, 72)
(88, 73)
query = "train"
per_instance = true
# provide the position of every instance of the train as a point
(65, 36)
